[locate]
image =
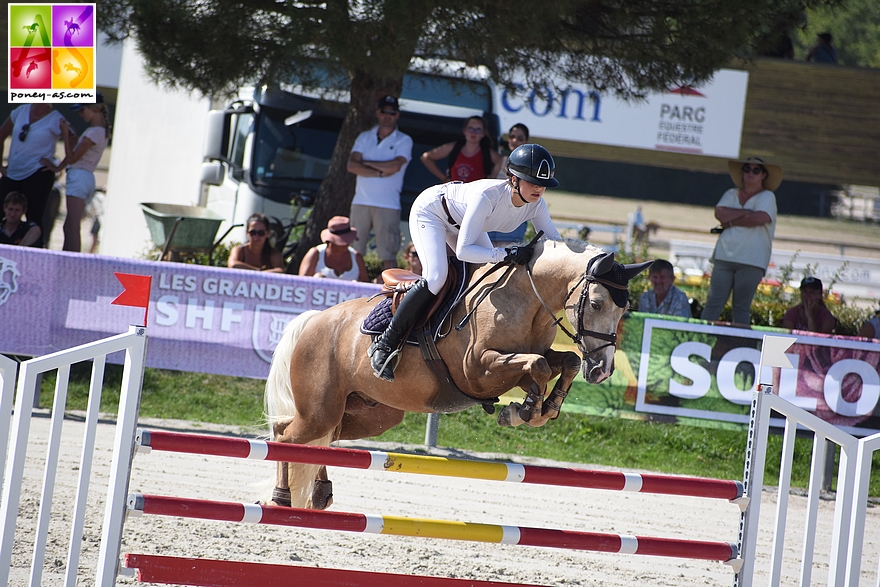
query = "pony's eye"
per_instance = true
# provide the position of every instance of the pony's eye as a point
(594, 304)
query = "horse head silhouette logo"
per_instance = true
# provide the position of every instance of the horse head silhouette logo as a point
(8, 279)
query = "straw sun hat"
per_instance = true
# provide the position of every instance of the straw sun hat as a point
(774, 172)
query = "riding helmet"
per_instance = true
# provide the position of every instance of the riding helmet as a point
(533, 163)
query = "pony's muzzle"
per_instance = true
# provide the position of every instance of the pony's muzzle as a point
(597, 370)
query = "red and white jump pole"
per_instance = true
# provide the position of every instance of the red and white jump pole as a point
(399, 526)
(170, 570)
(243, 448)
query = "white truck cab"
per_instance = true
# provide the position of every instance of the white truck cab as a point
(270, 148)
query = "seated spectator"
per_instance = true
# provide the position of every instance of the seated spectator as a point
(257, 254)
(665, 298)
(334, 258)
(411, 258)
(871, 327)
(811, 314)
(14, 230)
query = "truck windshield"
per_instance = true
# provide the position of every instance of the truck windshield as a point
(292, 157)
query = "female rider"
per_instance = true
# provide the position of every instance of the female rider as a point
(460, 215)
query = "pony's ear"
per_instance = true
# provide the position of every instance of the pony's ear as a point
(636, 268)
(601, 264)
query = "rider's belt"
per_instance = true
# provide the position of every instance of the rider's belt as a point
(448, 215)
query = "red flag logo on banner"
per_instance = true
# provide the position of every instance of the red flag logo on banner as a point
(136, 291)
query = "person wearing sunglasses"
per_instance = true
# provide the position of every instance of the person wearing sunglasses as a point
(35, 130)
(257, 254)
(335, 258)
(411, 259)
(379, 159)
(469, 158)
(747, 217)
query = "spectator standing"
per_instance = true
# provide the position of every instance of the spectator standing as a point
(747, 214)
(81, 160)
(257, 254)
(469, 158)
(516, 136)
(664, 297)
(811, 314)
(334, 257)
(379, 159)
(34, 128)
(823, 51)
(13, 229)
(459, 216)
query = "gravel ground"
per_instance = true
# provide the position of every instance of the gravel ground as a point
(416, 496)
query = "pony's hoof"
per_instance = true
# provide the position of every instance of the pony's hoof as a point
(281, 497)
(509, 416)
(322, 494)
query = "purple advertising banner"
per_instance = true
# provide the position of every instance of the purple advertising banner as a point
(203, 319)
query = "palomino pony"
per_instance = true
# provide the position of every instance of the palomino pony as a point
(321, 387)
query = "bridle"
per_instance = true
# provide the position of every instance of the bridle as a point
(609, 338)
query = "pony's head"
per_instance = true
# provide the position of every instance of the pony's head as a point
(603, 299)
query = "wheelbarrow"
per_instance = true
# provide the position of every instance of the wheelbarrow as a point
(177, 229)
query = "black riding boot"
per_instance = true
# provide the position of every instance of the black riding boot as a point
(384, 352)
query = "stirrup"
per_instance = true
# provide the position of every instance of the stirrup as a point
(393, 355)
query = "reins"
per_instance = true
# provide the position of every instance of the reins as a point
(509, 265)
(582, 332)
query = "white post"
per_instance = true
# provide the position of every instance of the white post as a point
(123, 452)
(753, 483)
(8, 370)
(431, 430)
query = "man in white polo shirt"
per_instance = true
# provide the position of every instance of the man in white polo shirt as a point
(379, 159)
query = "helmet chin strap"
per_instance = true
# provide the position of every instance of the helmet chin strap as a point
(519, 193)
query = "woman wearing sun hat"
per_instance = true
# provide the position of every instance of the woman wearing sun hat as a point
(747, 214)
(334, 258)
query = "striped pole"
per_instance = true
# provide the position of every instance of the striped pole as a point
(243, 448)
(422, 528)
(170, 570)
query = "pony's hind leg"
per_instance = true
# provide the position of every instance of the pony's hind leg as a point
(297, 484)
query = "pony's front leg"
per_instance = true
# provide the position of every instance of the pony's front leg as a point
(537, 411)
(505, 371)
(570, 366)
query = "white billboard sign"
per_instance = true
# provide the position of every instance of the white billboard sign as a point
(704, 120)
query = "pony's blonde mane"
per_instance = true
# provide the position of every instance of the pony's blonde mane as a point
(573, 245)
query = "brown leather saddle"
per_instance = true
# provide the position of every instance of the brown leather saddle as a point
(396, 282)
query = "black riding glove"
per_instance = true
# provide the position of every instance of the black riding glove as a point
(519, 255)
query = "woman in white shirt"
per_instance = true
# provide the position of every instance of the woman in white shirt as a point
(81, 160)
(747, 214)
(460, 215)
(34, 130)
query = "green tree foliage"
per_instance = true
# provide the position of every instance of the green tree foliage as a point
(624, 47)
(855, 28)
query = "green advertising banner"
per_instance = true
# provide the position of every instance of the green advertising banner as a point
(673, 369)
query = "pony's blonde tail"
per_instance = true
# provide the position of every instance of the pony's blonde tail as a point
(278, 399)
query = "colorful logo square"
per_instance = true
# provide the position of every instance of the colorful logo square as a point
(73, 25)
(52, 53)
(73, 68)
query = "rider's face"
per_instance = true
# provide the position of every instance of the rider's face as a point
(531, 192)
